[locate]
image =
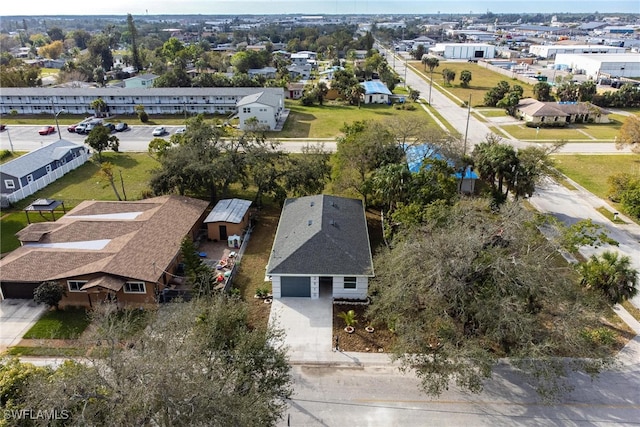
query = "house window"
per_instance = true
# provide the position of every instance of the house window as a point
(349, 282)
(134, 288)
(29, 178)
(48, 168)
(9, 184)
(75, 285)
(246, 110)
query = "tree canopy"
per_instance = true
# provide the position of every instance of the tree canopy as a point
(472, 285)
(195, 363)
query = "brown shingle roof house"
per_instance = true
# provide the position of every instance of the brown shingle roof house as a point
(104, 250)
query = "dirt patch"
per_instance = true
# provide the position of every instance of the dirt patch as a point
(380, 340)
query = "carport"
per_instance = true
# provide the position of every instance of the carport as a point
(295, 286)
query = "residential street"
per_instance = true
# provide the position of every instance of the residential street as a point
(380, 396)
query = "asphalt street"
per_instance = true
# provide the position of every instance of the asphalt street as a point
(137, 138)
(381, 396)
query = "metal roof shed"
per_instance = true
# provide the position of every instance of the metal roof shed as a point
(228, 217)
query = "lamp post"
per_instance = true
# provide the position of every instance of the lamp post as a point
(57, 125)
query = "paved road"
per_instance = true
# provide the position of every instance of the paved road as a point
(26, 138)
(380, 396)
(570, 206)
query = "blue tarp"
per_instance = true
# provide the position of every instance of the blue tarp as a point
(416, 154)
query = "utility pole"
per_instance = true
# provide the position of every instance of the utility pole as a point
(466, 132)
(430, 85)
(405, 72)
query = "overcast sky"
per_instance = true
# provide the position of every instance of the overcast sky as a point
(243, 7)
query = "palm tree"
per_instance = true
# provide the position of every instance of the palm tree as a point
(612, 274)
(99, 106)
(322, 91)
(432, 63)
(357, 91)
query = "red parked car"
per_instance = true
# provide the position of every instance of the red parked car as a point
(47, 130)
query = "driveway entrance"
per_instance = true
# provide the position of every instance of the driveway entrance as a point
(16, 317)
(307, 324)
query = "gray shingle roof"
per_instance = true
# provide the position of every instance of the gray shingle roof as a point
(265, 98)
(229, 210)
(36, 159)
(321, 235)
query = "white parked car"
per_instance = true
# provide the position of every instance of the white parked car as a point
(159, 131)
(180, 131)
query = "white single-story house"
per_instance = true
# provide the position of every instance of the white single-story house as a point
(294, 90)
(321, 247)
(534, 111)
(265, 107)
(267, 72)
(144, 81)
(29, 173)
(375, 92)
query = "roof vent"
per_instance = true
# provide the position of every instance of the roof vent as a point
(332, 222)
(311, 204)
(310, 222)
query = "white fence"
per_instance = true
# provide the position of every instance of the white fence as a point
(45, 180)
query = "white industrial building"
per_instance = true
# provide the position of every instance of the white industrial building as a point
(596, 65)
(464, 50)
(550, 51)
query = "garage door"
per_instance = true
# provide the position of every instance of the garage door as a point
(19, 290)
(295, 286)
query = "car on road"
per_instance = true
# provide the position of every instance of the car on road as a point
(159, 131)
(110, 127)
(47, 130)
(121, 127)
(180, 131)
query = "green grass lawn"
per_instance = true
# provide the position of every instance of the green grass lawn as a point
(325, 121)
(531, 134)
(482, 80)
(491, 112)
(60, 324)
(592, 171)
(83, 183)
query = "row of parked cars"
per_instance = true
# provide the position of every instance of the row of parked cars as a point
(87, 125)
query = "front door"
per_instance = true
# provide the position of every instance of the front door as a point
(223, 232)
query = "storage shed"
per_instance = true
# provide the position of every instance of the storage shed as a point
(228, 217)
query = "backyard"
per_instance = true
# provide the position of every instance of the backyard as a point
(83, 183)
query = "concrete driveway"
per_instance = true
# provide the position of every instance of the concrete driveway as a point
(307, 325)
(16, 317)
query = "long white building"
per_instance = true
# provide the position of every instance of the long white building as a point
(550, 51)
(596, 65)
(472, 51)
(123, 101)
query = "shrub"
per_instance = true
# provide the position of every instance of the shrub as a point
(143, 116)
(5, 154)
(599, 337)
(49, 293)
